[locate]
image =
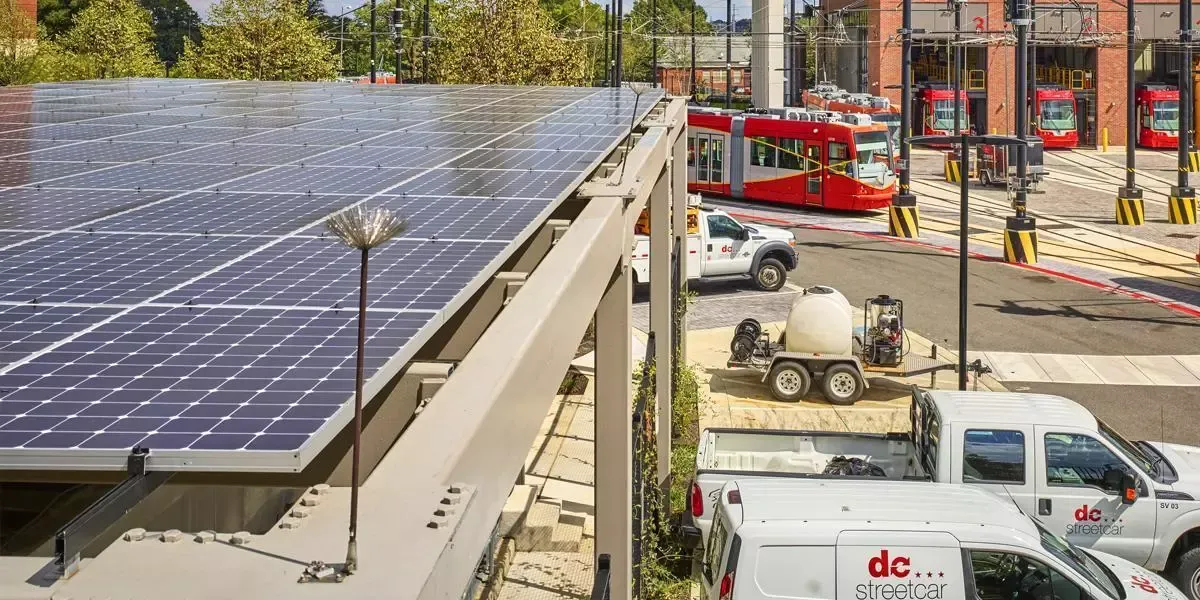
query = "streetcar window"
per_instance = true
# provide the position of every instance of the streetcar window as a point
(1147, 122)
(1057, 115)
(1166, 115)
(702, 158)
(943, 114)
(839, 157)
(691, 151)
(717, 154)
(873, 156)
(812, 160)
(790, 154)
(762, 151)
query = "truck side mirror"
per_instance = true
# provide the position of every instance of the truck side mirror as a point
(744, 234)
(1129, 490)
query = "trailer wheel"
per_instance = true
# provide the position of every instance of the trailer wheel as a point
(789, 381)
(842, 384)
(771, 275)
(985, 178)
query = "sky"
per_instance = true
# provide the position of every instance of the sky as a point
(714, 8)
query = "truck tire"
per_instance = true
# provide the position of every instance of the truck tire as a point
(1186, 575)
(985, 177)
(789, 381)
(842, 384)
(770, 276)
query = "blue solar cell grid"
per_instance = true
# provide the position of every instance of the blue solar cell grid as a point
(165, 278)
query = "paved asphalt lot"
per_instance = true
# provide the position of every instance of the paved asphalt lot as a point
(1013, 309)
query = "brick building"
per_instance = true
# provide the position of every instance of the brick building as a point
(675, 65)
(1079, 46)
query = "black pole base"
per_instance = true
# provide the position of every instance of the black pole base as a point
(908, 199)
(1185, 191)
(904, 218)
(1129, 193)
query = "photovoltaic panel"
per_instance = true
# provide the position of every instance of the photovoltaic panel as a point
(170, 284)
(120, 269)
(30, 208)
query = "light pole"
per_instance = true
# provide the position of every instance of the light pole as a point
(728, 53)
(1020, 230)
(342, 38)
(361, 229)
(373, 55)
(398, 38)
(966, 141)
(1130, 207)
(1181, 204)
(903, 216)
(960, 130)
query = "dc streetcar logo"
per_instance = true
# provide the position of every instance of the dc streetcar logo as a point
(1090, 520)
(894, 577)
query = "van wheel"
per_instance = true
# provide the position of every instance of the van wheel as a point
(771, 275)
(789, 381)
(1187, 574)
(842, 384)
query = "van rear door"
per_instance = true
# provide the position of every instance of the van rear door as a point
(886, 565)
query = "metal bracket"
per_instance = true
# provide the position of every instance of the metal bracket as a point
(70, 541)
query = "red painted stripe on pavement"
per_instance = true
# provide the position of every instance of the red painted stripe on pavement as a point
(1100, 285)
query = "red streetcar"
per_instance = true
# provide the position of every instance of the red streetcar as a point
(1054, 117)
(826, 96)
(793, 156)
(937, 108)
(1158, 115)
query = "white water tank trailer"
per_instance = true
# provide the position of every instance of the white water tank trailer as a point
(819, 322)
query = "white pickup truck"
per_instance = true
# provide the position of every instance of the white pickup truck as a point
(1050, 456)
(720, 246)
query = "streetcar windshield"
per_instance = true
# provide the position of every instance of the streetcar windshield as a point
(873, 158)
(943, 115)
(1166, 115)
(893, 124)
(1057, 115)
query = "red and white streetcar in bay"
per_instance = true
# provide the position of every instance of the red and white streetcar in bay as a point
(791, 156)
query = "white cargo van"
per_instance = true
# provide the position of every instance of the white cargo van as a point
(854, 540)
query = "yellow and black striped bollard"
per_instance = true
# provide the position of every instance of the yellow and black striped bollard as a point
(1181, 210)
(904, 219)
(1130, 208)
(1193, 161)
(951, 169)
(1020, 240)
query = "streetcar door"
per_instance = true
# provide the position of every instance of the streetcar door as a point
(716, 161)
(702, 159)
(814, 170)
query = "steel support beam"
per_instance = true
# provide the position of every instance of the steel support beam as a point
(679, 221)
(660, 315)
(614, 416)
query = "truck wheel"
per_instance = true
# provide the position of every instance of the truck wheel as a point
(985, 178)
(771, 275)
(842, 384)
(1187, 574)
(789, 381)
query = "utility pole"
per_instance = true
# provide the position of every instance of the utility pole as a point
(654, 43)
(692, 87)
(373, 49)
(1130, 207)
(618, 67)
(607, 35)
(729, 53)
(425, 44)
(960, 130)
(342, 41)
(398, 38)
(793, 87)
(1020, 230)
(1181, 209)
(903, 216)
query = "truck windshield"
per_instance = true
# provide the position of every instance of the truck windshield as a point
(1132, 453)
(1057, 115)
(943, 115)
(1081, 562)
(1166, 115)
(873, 158)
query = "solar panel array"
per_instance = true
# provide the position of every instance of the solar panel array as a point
(165, 281)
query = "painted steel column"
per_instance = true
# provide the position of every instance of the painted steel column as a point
(679, 225)
(613, 426)
(766, 54)
(660, 315)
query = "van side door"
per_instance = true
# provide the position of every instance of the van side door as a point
(1074, 502)
(899, 564)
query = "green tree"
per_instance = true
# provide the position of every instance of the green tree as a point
(18, 44)
(674, 19)
(259, 39)
(503, 42)
(113, 38)
(173, 21)
(358, 37)
(56, 16)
